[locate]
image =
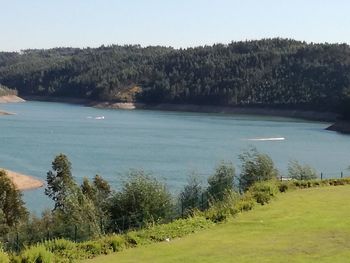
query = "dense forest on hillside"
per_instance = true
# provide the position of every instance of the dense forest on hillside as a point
(269, 72)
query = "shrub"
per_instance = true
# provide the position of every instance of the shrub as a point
(37, 254)
(64, 249)
(143, 200)
(221, 181)
(301, 172)
(190, 196)
(256, 167)
(246, 202)
(263, 192)
(4, 258)
(90, 249)
(220, 210)
(175, 229)
(114, 243)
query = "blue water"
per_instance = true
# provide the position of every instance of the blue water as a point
(169, 144)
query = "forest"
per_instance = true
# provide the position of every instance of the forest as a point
(278, 73)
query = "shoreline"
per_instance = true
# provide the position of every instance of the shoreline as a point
(23, 182)
(9, 99)
(263, 111)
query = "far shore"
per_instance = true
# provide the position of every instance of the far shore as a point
(291, 113)
(24, 182)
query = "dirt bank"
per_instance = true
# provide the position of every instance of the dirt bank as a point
(10, 99)
(24, 182)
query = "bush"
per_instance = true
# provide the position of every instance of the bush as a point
(37, 254)
(221, 181)
(175, 229)
(114, 243)
(256, 167)
(63, 249)
(4, 258)
(246, 203)
(90, 249)
(143, 200)
(220, 210)
(301, 172)
(263, 192)
(190, 196)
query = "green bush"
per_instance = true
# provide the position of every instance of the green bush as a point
(90, 249)
(246, 202)
(64, 249)
(175, 229)
(301, 172)
(220, 210)
(264, 191)
(4, 258)
(37, 254)
(114, 243)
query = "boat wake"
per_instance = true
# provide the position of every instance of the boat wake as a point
(96, 118)
(267, 139)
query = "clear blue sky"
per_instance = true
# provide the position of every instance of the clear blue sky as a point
(179, 23)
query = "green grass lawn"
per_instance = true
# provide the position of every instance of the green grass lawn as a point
(311, 225)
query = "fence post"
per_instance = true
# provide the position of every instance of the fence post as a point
(341, 174)
(321, 176)
(202, 199)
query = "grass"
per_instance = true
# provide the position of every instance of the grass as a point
(310, 225)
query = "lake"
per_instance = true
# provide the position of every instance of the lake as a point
(171, 145)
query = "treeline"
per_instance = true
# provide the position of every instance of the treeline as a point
(84, 211)
(90, 218)
(269, 72)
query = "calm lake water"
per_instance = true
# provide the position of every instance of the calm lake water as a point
(169, 144)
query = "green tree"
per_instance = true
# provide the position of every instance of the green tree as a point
(221, 181)
(12, 209)
(301, 172)
(59, 181)
(100, 193)
(141, 201)
(190, 196)
(73, 208)
(255, 167)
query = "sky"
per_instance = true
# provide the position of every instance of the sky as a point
(28, 24)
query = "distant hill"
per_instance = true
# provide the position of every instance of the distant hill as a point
(278, 73)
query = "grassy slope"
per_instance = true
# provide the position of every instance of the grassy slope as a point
(311, 225)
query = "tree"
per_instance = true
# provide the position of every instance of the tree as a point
(59, 181)
(222, 181)
(12, 209)
(190, 196)
(301, 172)
(141, 201)
(72, 207)
(255, 167)
(100, 193)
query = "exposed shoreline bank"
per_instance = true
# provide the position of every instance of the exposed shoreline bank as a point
(9, 99)
(303, 114)
(23, 182)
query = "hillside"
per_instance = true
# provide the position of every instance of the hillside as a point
(308, 225)
(273, 73)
